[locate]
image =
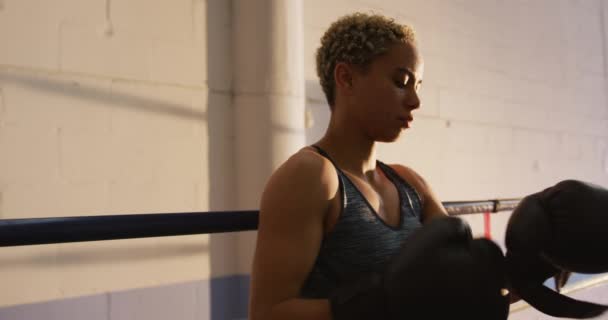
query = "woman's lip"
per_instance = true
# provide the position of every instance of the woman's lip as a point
(405, 122)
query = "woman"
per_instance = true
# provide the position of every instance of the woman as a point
(333, 212)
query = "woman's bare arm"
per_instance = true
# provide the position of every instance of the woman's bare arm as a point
(292, 213)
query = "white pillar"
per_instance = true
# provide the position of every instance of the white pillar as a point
(604, 26)
(604, 21)
(269, 98)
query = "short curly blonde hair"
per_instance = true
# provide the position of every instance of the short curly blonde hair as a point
(356, 39)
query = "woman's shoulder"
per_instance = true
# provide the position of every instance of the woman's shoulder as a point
(432, 207)
(306, 168)
(412, 177)
(308, 161)
(407, 172)
(299, 192)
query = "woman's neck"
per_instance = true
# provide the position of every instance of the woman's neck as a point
(349, 148)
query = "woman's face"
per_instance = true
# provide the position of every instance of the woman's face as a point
(385, 93)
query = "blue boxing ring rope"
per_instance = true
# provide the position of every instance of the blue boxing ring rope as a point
(34, 231)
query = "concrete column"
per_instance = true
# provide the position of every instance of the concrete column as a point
(269, 100)
(604, 25)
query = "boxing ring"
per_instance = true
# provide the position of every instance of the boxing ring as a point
(36, 231)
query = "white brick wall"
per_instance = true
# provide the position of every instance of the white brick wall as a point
(113, 123)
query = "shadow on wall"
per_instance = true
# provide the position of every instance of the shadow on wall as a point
(229, 292)
(114, 252)
(108, 97)
(104, 252)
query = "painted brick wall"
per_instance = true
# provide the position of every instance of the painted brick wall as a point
(114, 107)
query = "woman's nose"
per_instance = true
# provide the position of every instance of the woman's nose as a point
(412, 101)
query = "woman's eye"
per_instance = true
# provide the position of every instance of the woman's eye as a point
(402, 83)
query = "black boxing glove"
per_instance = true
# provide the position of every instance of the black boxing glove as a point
(562, 228)
(440, 271)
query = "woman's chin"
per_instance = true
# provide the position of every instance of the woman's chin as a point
(392, 137)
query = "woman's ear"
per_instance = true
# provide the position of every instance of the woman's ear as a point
(343, 74)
